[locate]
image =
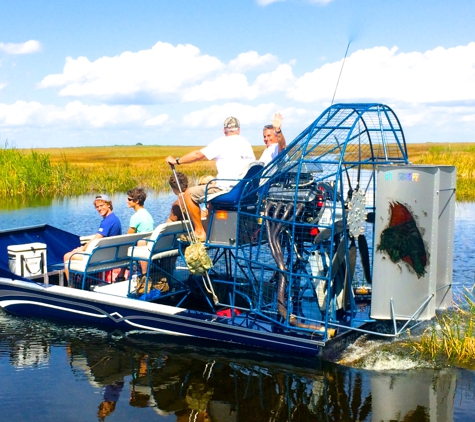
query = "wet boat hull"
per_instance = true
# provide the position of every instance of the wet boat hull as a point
(28, 299)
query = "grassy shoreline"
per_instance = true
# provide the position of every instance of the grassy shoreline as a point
(81, 170)
(450, 339)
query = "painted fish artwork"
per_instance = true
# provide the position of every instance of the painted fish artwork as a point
(402, 240)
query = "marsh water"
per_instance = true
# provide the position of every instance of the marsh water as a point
(56, 372)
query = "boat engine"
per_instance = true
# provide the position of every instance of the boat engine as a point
(303, 188)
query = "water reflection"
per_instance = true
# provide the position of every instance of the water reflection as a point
(19, 202)
(136, 377)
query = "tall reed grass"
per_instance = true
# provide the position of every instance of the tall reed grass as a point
(452, 335)
(32, 174)
(75, 171)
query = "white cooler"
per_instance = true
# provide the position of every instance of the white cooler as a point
(27, 260)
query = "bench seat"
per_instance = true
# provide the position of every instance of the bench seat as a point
(162, 243)
(105, 254)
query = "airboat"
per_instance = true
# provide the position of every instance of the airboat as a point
(336, 235)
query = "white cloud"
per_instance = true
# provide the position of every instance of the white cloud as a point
(248, 115)
(414, 114)
(157, 73)
(225, 86)
(167, 73)
(277, 80)
(2, 86)
(99, 116)
(163, 73)
(158, 120)
(381, 73)
(298, 116)
(431, 90)
(468, 118)
(74, 114)
(322, 2)
(436, 123)
(215, 115)
(236, 86)
(18, 113)
(267, 2)
(251, 60)
(28, 47)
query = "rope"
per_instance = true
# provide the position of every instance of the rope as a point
(191, 233)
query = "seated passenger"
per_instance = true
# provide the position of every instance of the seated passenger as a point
(110, 226)
(177, 211)
(274, 139)
(140, 222)
(178, 183)
(232, 154)
(204, 180)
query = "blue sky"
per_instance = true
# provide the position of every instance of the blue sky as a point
(79, 73)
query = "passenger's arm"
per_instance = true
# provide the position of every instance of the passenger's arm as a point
(191, 157)
(281, 141)
(277, 124)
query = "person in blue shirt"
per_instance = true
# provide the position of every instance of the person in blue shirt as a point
(110, 226)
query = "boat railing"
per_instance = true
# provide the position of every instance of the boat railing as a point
(156, 258)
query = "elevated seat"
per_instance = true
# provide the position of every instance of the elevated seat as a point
(233, 197)
(225, 228)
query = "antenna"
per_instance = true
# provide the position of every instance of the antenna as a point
(341, 70)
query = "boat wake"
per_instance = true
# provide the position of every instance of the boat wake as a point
(382, 355)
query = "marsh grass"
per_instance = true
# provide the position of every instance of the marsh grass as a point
(452, 335)
(460, 155)
(31, 174)
(75, 171)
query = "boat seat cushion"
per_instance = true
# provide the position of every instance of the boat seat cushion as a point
(106, 253)
(162, 243)
(232, 196)
(143, 252)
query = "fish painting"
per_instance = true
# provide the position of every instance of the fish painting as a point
(402, 240)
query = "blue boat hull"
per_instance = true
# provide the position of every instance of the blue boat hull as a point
(28, 299)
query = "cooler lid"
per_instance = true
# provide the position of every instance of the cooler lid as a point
(27, 247)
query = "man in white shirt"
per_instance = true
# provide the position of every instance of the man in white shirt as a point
(232, 154)
(274, 139)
